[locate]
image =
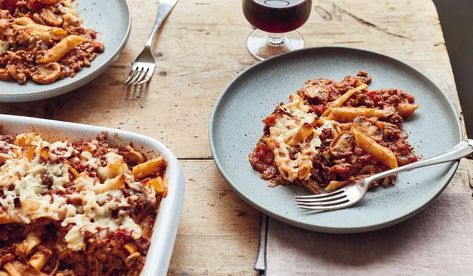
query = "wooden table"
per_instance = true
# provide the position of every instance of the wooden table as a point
(200, 49)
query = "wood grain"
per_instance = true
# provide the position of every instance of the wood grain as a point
(200, 49)
(218, 232)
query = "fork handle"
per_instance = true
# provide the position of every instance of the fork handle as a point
(459, 151)
(164, 9)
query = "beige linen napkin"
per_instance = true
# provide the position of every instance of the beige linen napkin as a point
(438, 241)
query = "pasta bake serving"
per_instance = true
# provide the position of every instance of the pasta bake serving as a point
(331, 134)
(82, 208)
(44, 40)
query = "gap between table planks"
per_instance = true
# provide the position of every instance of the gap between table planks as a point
(200, 49)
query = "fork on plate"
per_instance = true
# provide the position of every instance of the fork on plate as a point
(351, 194)
(143, 67)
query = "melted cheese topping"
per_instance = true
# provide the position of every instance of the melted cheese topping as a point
(294, 140)
(42, 186)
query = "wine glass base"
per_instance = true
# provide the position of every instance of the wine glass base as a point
(260, 47)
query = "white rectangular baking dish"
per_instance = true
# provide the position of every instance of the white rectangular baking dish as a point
(167, 221)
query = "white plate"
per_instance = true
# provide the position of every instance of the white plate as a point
(112, 19)
(167, 221)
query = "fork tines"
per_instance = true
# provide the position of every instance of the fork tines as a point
(141, 73)
(325, 201)
(136, 76)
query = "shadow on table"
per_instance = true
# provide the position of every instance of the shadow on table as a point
(456, 20)
(137, 91)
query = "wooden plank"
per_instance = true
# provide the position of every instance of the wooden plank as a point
(218, 233)
(461, 180)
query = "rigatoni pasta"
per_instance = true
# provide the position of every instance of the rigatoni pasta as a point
(44, 40)
(81, 208)
(332, 133)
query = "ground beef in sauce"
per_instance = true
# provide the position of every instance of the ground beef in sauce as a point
(20, 51)
(345, 161)
(104, 253)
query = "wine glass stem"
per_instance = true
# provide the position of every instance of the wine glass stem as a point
(275, 39)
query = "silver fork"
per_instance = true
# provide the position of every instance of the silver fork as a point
(351, 194)
(143, 67)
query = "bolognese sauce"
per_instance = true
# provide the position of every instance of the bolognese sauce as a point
(310, 140)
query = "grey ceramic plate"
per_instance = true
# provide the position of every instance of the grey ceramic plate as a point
(236, 125)
(112, 19)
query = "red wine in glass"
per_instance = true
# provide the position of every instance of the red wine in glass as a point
(275, 21)
(277, 16)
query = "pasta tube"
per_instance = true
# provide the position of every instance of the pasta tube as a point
(39, 259)
(406, 110)
(43, 32)
(15, 268)
(158, 184)
(149, 167)
(380, 153)
(31, 241)
(343, 98)
(333, 185)
(61, 49)
(348, 114)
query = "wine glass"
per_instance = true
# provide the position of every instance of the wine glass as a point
(275, 22)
